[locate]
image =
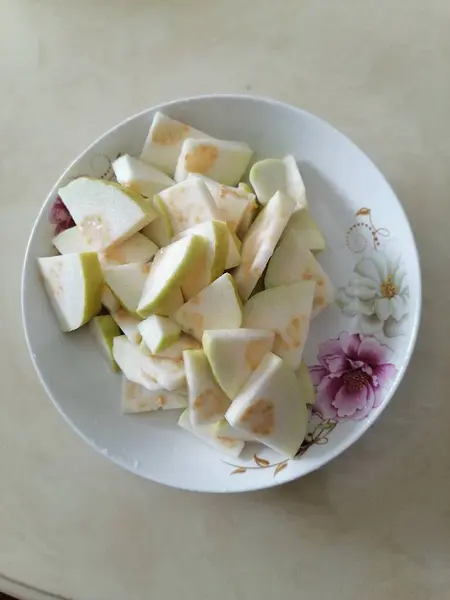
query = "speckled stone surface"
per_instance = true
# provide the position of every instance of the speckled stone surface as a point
(373, 524)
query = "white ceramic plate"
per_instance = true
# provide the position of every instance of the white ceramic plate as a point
(357, 350)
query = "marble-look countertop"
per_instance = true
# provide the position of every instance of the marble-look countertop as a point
(373, 524)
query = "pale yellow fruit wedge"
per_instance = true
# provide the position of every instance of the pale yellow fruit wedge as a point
(127, 282)
(278, 174)
(74, 284)
(269, 407)
(104, 329)
(207, 401)
(109, 301)
(159, 333)
(175, 351)
(307, 390)
(234, 251)
(137, 399)
(128, 324)
(285, 310)
(140, 177)
(106, 212)
(136, 249)
(160, 229)
(217, 306)
(303, 226)
(224, 432)
(206, 433)
(260, 241)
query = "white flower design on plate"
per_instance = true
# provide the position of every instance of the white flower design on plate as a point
(377, 294)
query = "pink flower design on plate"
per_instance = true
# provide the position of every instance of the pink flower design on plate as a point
(60, 216)
(351, 376)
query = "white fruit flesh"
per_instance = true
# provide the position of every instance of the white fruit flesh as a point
(189, 203)
(152, 372)
(163, 144)
(247, 219)
(136, 399)
(270, 409)
(303, 226)
(168, 270)
(106, 213)
(216, 236)
(285, 310)
(104, 329)
(260, 241)
(71, 241)
(127, 283)
(216, 307)
(234, 355)
(220, 160)
(223, 430)
(207, 401)
(273, 174)
(109, 301)
(74, 284)
(140, 177)
(206, 433)
(159, 333)
(175, 351)
(136, 249)
(292, 262)
(129, 324)
(232, 202)
(307, 390)
(234, 252)
(159, 230)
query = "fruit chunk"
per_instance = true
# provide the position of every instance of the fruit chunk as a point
(136, 249)
(270, 409)
(163, 144)
(206, 433)
(216, 307)
(140, 177)
(234, 354)
(71, 241)
(169, 267)
(152, 372)
(303, 226)
(159, 333)
(175, 351)
(129, 324)
(274, 174)
(104, 329)
(127, 283)
(260, 241)
(220, 160)
(207, 402)
(74, 284)
(285, 310)
(189, 203)
(136, 399)
(109, 301)
(216, 236)
(224, 431)
(307, 390)
(292, 262)
(160, 230)
(105, 212)
(234, 254)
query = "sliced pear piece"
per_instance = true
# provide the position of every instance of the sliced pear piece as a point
(274, 174)
(160, 230)
(247, 219)
(212, 265)
(234, 251)
(106, 213)
(171, 303)
(270, 409)
(127, 283)
(175, 351)
(159, 333)
(303, 226)
(109, 301)
(74, 284)
(153, 372)
(206, 433)
(71, 241)
(285, 310)
(234, 354)
(128, 324)
(136, 249)
(105, 329)
(307, 390)
(217, 306)
(260, 241)
(223, 431)
(140, 177)
(136, 398)
(163, 144)
(220, 160)
(292, 262)
(169, 268)
(189, 203)
(207, 401)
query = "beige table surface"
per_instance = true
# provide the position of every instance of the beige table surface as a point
(374, 524)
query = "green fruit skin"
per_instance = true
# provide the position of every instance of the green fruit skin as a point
(93, 277)
(222, 240)
(160, 230)
(110, 330)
